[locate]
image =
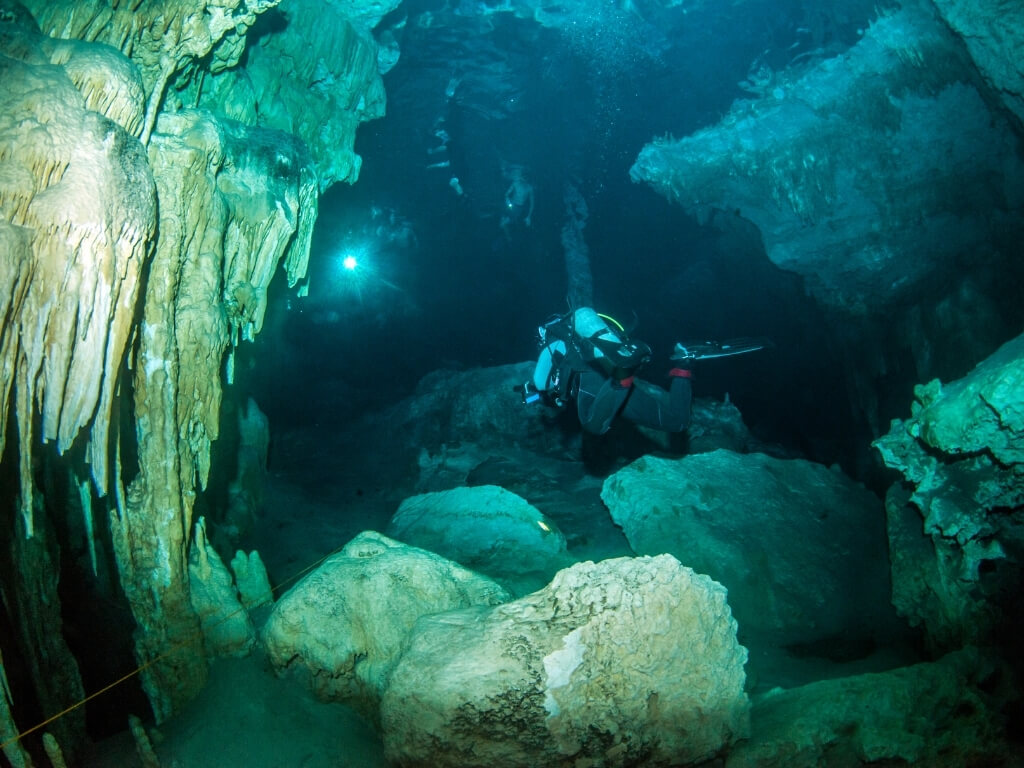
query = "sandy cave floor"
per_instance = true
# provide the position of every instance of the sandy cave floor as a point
(317, 498)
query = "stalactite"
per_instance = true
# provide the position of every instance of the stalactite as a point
(229, 202)
(78, 194)
(85, 496)
(163, 39)
(79, 210)
(577, 255)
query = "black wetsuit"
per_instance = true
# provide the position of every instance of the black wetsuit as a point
(599, 399)
(597, 371)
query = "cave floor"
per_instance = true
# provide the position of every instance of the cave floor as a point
(318, 496)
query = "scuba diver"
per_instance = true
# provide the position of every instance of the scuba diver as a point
(518, 198)
(588, 357)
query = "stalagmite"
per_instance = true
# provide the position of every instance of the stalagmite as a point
(12, 747)
(143, 746)
(231, 202)
(53, 751)
(227, 629)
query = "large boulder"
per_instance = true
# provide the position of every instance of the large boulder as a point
(934, 714)
(487, 529)
(344, 626)
(956, 524)
(625, 662)
(800, 547)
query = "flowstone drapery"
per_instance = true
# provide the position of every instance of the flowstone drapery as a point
(120, 322)
(233, 201)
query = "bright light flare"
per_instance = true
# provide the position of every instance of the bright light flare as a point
(349, 262)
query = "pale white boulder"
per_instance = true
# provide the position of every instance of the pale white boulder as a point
(625, 662)
(344, 625)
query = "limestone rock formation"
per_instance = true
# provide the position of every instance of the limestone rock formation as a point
(941, 715)
(631, 661)
(227, 629)
(234, 201)
(315, 77)
(993, 32)
(99, 299)
(866, 172)
(164, 40)
(458, 420)
(252, 580)
(955, 525)
(344, 626)
(245, 493)
(487, 529)
(799, 546)
(77, 211)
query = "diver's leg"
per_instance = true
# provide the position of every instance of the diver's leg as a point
(598, 400)
(652, 406)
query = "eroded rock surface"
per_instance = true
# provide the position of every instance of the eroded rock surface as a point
(993, 32)
(631, 661)
(799, 546)
(487, 529)
(344, 626)
(941, 715)
(234, 203)
(316, 77)
(77, 211)
(956, 526)
(867, 172)
(162, 39)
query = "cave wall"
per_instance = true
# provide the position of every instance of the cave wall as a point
(141, 223)
(866, 173)
(891, 179)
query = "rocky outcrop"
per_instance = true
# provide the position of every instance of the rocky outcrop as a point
(956, 522)
(234, 201)
(587, 671)
(344, 626)
(994, 35)
(459, 420)
(226, 626)
(77, 211)
(942, 715)
(865, 173)
(799, 546)
(164, 40)
(487, 529)
(317, 77)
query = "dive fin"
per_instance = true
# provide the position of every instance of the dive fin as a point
(708, 350)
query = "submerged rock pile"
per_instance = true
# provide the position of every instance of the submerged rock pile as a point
(625, 661)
